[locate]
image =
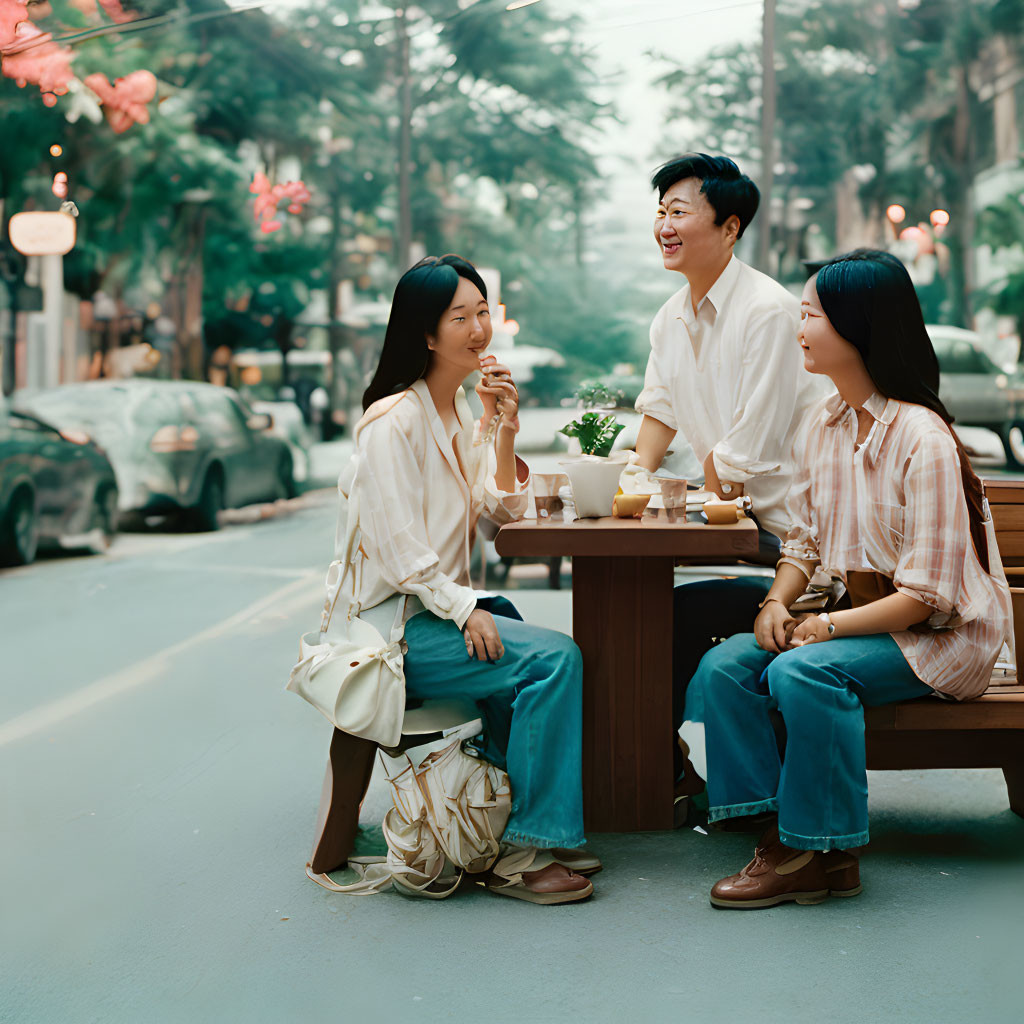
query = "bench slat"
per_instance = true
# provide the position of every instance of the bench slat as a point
(1002, 709)
(1004, 492)
(1007, 517)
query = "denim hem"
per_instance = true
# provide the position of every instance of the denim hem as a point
(823, 843)
(541, 842)
(738, 810)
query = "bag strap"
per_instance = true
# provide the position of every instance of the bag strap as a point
(351, 564)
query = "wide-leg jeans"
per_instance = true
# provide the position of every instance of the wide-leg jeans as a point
(820, 689)
(531, 700)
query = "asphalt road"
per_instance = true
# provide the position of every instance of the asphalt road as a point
(157, 795)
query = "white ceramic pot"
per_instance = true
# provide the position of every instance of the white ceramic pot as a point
(594, 480)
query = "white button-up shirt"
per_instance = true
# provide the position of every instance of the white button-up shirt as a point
(732, 379)
(896, 506)
(418, 507)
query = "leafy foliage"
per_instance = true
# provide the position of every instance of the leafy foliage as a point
(501, 103)
(596, 433)
(877, 104)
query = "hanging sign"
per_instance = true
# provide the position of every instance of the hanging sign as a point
(42, 234)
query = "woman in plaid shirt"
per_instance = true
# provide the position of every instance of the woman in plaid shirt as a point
(885, 500)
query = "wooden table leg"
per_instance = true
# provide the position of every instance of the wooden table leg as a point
(622, 622)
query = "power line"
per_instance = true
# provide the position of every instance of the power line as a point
(675, 17)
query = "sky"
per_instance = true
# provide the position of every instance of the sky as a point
(621, 35)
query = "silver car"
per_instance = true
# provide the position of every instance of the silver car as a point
(976, 391)
(176, 446)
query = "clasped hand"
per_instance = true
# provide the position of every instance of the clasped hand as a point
(498, 392)
(481, 636)
(777, 630)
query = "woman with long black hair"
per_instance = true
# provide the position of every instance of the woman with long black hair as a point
(423, 474)
(885, 500)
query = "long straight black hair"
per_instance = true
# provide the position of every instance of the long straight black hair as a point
(869, 299)
(422, 294)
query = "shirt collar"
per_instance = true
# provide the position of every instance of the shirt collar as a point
(882, 410)
(441, 438)
(719, 291)
(717, 294)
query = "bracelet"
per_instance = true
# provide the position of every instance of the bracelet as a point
(776, 600)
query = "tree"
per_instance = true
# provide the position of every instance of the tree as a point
(877, 104)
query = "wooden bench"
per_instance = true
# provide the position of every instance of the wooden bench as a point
(983, 733)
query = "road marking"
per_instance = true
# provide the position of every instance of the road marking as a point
(245, 570)
(290, 598)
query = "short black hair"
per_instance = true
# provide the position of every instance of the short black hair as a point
(729, 191)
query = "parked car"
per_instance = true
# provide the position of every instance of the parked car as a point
(289, 425)
(56, 489)
(976, 391)
(176, 446)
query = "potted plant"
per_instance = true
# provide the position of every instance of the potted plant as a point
(595, 433)
(594, 473)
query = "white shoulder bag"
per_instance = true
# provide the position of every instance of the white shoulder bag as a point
(354, 679)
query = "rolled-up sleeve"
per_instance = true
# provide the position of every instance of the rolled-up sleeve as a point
(502, 507)
(935, 528)
(800, 548)
(655, 400)
(393, 526)
(766, 396)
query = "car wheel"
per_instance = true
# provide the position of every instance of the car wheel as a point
(19, 533)
(211, 502)
(1013, 445)
(104, 517)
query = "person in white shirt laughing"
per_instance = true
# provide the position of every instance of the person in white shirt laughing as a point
(724, 372)
(423, 474)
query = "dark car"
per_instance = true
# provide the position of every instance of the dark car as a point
(976, 391)
(176, 446)
(56, 489)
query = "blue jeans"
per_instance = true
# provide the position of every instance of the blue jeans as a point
(820, 790)
(531, 702)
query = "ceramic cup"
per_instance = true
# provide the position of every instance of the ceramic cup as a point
(545, 492)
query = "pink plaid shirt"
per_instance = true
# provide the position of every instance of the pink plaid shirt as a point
(896, 506)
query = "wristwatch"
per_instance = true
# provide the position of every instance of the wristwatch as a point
(827, 619)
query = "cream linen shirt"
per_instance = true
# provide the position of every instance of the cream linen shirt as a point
(732, 379)
(896, 506)
(418, 509)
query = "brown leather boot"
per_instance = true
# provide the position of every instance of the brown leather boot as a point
(779, 874)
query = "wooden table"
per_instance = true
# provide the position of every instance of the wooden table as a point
(622, 621)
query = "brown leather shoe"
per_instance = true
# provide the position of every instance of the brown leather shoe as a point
(779, 874)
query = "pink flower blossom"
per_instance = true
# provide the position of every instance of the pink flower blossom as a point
(39, 61)
(269, 198)
(126, 99)
(12, 14)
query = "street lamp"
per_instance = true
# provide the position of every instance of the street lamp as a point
(896, 214)
(49, 236)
